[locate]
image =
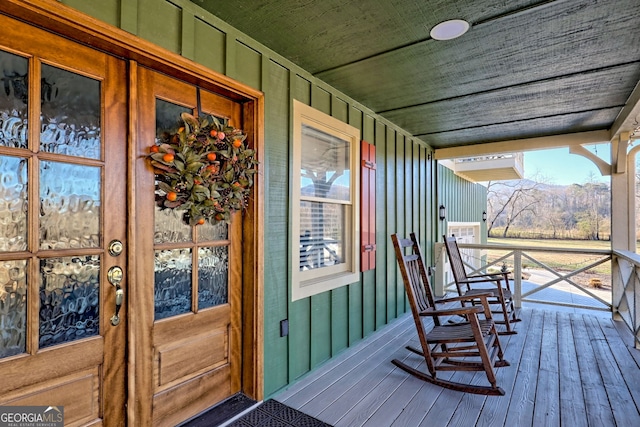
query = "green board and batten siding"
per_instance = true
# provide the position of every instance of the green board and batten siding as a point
(465, 201)
(325, 324)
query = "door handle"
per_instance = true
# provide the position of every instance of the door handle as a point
(114, 275)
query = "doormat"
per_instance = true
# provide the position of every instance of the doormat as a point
(222, 412)
(272, 413)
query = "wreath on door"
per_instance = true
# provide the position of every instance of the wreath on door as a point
(205, 169)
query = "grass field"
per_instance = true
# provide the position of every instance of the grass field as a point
(555, 260)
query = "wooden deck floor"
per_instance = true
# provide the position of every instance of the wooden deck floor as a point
(566, 370)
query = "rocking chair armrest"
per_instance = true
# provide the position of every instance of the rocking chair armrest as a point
(465, 298)
(482, 279)
(460, 311)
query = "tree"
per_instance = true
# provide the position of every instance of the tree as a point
(510, 200)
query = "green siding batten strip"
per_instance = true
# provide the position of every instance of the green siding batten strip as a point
(401, 216)
(390, 209)
(299, 311)
(382, 233)
(356, 305)
(276, 357)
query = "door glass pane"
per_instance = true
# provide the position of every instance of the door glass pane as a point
(70, 113)
(13, 307)
(169, 226)
(69, 206)
(13, 100)
(322, 240)
(208, 232)
(172, 274)
(213, 276)
(69, 299)
(13, 204)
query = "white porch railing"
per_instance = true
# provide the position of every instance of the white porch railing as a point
(626, 290)
(616, 290)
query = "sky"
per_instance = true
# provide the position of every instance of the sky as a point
(562, 168)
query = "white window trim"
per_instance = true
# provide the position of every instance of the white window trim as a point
(312, 282)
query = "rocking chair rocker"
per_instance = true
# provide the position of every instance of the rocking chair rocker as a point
(472, 345)
(499, 295)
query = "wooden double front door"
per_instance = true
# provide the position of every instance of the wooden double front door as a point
(110, 308)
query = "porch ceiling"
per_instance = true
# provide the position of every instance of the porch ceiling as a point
(525, 68)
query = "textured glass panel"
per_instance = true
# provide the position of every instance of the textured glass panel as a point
(208, 232)
(13, 204)
(172, 272)
(168, 118)
(13, 307)
(169, 226)
(69, 299)
(325, 167)
(14, 97)
(70, 113)
(213, 276)
(322, 242)
(69, 206)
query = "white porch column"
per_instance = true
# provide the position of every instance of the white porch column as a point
(623, 206)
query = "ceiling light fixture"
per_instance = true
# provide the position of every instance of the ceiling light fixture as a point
(449, 30)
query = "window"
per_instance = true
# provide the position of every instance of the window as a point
(325, 231)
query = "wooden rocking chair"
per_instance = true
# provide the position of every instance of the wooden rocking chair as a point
(492, 283)
(472, 345)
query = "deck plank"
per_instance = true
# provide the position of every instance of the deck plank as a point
(494, 411)
(613, 379)
(597, 406)
(546, 407)
(520, 410)
(572, 405)
(626, 356)
(566, 369)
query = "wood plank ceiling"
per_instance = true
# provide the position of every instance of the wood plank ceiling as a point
(525, 68)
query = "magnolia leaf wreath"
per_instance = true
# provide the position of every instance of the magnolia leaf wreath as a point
(205, 169)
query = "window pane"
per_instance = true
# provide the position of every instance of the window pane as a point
(322, 239)
(13, 100)
(13, 307)
(69, 299)
(213, 276)
(325, 166)
(172, 290)
(70, 113)
(13, 204)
